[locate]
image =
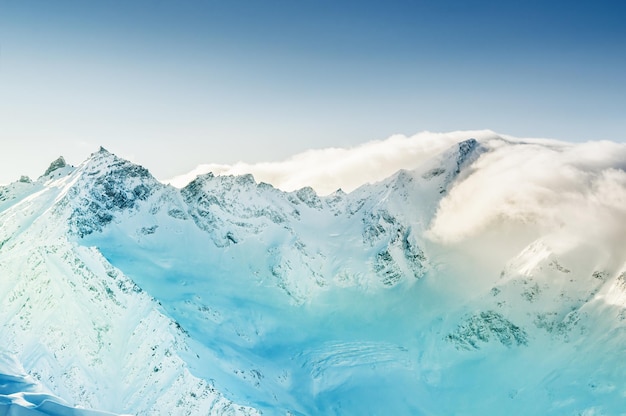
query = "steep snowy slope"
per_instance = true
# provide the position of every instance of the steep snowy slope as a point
(21, 395)
(478, 281)
(78, 325)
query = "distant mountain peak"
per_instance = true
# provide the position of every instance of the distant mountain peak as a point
(104, 154)
(104, 162)
(467, 153)
(56, 164)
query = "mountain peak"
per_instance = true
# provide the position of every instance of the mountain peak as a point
(465, 150)
(465, 153)
(56, 164)
(101, 154)
(108, 185)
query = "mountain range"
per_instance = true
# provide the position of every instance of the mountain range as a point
(491, 279)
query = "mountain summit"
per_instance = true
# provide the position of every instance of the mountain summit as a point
(56, 164)
(480, 280)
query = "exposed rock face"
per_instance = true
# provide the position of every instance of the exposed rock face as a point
(484, 326)
(109, 186)
(56, 164)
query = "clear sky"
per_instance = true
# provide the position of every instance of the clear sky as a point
(172, 84)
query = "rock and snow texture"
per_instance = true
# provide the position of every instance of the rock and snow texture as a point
(490, 276)
(77, 324)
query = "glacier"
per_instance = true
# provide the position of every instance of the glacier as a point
(489, 279)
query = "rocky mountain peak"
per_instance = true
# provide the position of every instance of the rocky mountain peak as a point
(56, 164)
(108, 185)
(468, 151)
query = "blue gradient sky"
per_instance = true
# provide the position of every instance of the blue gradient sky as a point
(171, 84)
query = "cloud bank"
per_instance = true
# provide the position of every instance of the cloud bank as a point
(577, 191)
(327, 170)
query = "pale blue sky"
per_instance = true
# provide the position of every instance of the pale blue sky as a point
(171, 84)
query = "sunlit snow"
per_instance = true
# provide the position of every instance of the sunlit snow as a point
(490, 276)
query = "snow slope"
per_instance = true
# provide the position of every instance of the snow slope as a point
(489, 279)
(78, 325)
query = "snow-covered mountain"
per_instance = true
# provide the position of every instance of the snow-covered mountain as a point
(491, 279)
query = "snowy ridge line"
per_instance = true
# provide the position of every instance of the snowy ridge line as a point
(327, 170)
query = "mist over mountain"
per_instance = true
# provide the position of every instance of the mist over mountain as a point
(487, 276)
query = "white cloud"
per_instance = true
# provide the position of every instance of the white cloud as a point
(539, 187)
(327, 170)
(578, 190)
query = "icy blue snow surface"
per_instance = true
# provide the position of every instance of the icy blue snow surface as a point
(230, 296)
(338, 305)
